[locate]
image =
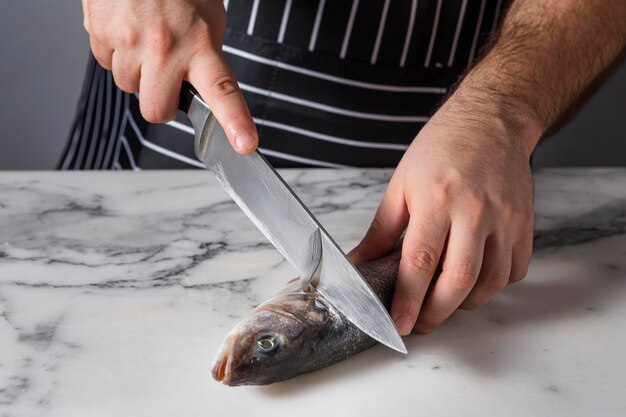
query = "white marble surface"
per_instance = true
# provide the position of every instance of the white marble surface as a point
(117, 288)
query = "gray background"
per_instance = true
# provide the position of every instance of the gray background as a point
(43, 50)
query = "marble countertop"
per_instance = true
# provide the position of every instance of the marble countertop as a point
(116, 289)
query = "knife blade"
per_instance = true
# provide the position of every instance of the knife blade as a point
(285, 221)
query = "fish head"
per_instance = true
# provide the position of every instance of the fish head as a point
(262, 348)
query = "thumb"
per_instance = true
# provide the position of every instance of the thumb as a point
(209, 73)
(388, 225)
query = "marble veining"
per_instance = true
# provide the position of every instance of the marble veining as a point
(116, 289)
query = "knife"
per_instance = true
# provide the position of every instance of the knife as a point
(286, 222)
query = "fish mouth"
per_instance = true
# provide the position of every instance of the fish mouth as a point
(220, 368)
(223, 367)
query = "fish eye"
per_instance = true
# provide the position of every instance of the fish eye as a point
(267, 343)
(319, 305)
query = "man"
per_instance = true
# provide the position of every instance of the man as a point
(335, 83)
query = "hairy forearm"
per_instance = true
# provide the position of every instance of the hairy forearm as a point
(546, 54)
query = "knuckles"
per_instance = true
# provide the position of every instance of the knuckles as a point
(158, 39)
(462, 280)
(128, 36)
(442, 195)
(423, 260)
(161, 39)
(223, 86)
(478, 201)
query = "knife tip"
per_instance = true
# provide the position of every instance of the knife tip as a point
(397, 345)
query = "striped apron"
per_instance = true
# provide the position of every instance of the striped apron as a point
(329, 83)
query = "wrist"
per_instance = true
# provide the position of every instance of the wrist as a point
(497, 114)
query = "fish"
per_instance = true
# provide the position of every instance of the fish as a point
(299, 331)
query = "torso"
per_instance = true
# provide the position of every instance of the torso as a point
(329, 83)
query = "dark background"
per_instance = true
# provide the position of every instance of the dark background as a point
(43, 50)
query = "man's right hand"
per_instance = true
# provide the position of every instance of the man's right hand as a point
(151, 46)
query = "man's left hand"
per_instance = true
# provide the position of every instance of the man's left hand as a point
(464, 193)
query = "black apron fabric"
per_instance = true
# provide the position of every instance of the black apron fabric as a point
(318, 96)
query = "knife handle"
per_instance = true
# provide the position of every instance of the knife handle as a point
(187, 93)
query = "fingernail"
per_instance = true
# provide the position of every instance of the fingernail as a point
(404, 324)
(244, 142)
(422, 328)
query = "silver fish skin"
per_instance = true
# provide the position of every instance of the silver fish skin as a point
(298, 332)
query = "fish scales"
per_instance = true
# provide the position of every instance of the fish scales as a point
(298, 332)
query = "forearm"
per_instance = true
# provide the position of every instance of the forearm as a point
(546, 55)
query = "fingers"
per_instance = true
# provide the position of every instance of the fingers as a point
(153, 47)
(158, 83)
(389, 222)
(522, 252)
(159, 91)
(209, 73)
(464, 257)
(421, 249)
(126, 71)
(494, 274)
(102, 53)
